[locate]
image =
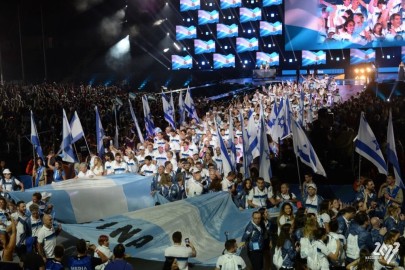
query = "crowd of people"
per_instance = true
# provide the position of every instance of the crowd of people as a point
(359, 22)
(186, 162)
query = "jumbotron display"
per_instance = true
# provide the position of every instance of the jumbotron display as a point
(340, 24)
(219, 34)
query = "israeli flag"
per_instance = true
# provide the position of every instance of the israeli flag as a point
(35, 139)
(172, 104)
(190, 108)
(304, 150)
(150, 127)
(368, 147)
(301, 107)
(67, 150)
(168, 111)
(231, 140)
(253, 136)
(392, 153)
(76, 128)
(279, 125)
(227, 165)
(138, 130)
(182, 109)
(99, 134)
(265, 165)
(247, 157)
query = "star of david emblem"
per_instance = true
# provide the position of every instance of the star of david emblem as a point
(281, 121)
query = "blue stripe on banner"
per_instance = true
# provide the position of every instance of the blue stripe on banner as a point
(75, 200)
(365, 149)
(393, 159)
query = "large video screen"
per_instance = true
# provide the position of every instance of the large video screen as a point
(215, 33)
(313, 58)
(338, 24)
(358, 56)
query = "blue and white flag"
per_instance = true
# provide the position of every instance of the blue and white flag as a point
(116, 135)
(301, 107)
(148, 232)
(149, 126)
(253, 137)
(247, 157)
(76, 128)
(288, 116)
(67, 149)
(35, 139)
(172, 104)
(182, 109)
(271, 122)
(227, 165)
(190, 108)
(99, 134)
(368, 147)
(304, 150)
(75, 200)
(310, 114)
(280, 124)
(231, 141)
(265, 166)
(168, 111)
(138, 129)
(392, 153)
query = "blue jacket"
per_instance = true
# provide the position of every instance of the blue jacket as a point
(391, 224)
(254, 237)
(364, 238)
(176, 193)
(288, 252)
(240, 198)
(343, 228)
(360, 196)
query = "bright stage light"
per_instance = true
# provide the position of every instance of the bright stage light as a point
(166, 50)
(121, 48)
(356, 70)
(368, 69)
(176, 46)
(362, 70)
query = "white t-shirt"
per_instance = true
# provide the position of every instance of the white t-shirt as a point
(87, 174)
(322, 219)
(194, 188)
(119, 168)
(47, 237)
(108, 167)
(230, 260)
(259, 197)
(149, 170)
(181, 253)
(226, 184)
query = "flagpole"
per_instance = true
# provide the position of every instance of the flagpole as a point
(74, 146)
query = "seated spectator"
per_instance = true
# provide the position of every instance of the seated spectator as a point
(84, 173)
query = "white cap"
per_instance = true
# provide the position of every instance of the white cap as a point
(6, 171)
(311, 185)
(45, 195)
